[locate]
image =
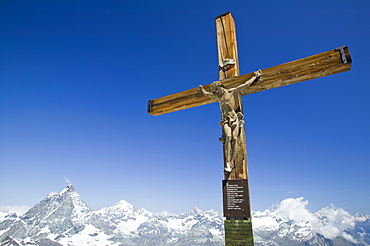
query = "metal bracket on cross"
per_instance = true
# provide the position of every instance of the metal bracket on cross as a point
(227, 62)
(342, 54)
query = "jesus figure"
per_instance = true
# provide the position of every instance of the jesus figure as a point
(232, 122)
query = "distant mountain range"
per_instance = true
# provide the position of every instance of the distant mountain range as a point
(62, 218)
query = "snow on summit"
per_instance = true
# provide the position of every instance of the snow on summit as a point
(62, 218)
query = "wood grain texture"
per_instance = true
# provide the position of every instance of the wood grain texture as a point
(227, 49)
(227, 46)
(312, 67)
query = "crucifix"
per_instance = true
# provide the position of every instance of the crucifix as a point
(228, 91)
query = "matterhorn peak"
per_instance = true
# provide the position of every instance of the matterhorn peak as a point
(68, 189)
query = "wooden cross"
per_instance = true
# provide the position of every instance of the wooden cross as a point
(236, 168)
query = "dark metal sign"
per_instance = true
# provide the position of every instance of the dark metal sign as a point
(238, 232)
(236, 197)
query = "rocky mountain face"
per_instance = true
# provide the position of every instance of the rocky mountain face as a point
(64, 219)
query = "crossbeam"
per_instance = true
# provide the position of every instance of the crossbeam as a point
(312, 67)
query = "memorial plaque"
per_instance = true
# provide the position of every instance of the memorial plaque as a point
(238, 232)
(235, 194)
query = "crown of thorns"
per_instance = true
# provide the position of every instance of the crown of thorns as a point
(215, 86)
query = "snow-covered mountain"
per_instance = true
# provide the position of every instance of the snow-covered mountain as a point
(62, 218)
(291, 223)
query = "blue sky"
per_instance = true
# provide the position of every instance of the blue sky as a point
(75, 78)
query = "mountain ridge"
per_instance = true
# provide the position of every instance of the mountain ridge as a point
(62, 218)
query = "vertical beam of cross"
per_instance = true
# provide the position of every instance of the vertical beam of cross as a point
(228, 68)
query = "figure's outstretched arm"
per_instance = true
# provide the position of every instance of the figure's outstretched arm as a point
(206, 93)
(249, 82)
